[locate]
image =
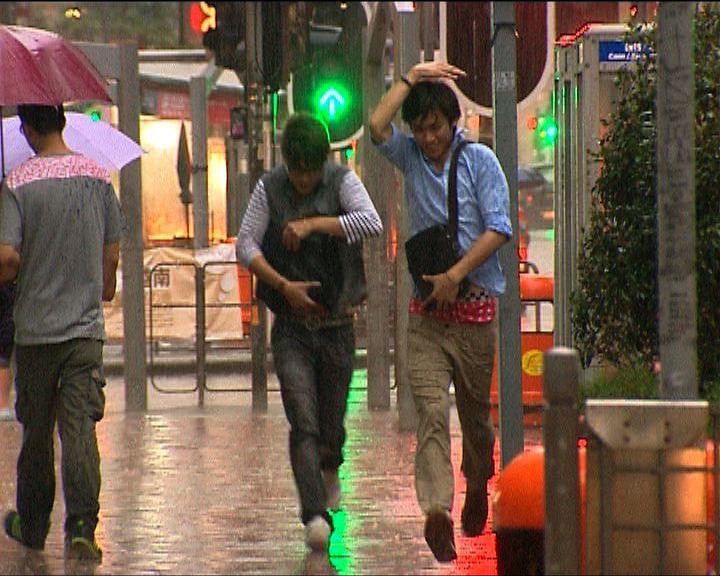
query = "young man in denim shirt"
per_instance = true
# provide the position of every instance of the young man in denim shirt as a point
(454, 338)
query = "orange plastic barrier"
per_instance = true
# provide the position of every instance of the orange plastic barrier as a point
(518, 513)
(518, 503)
(245, 290)
(519, 495)
(534, 290)
(537, 287)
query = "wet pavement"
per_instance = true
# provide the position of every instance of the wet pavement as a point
(208, 490)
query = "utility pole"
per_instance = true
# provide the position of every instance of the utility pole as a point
(376, 175)
(677, 285)
(198, 99)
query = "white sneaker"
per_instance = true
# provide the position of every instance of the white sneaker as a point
(332, 489)
(317, 533)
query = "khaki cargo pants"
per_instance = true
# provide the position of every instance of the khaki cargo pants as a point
(439, 353)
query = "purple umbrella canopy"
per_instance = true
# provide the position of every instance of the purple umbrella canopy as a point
(93, 138)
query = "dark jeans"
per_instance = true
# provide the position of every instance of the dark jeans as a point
(314, 368)
(58, 382)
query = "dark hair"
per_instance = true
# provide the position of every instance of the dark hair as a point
(305, 142)
(426, 97)
(41, 118)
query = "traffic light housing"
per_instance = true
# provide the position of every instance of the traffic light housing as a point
(330, 84)
(225, 32)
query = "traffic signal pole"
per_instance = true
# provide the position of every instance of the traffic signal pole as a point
(505, 137)
(376, 176)
(407, 54)
(198, 101)
(253, 102)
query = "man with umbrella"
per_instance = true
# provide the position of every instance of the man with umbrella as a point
(60, 228)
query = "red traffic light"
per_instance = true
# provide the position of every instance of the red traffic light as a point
(202, 17)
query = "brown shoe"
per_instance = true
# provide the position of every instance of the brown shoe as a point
(475, 511)
(439, 535)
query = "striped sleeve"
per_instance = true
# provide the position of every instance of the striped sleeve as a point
(360, 219)
(253, 226)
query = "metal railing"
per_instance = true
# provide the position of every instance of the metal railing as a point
(200, 306)
(198, 341)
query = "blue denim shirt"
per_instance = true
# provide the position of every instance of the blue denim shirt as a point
(482, 193)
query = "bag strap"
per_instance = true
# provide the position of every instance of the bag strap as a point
(452, 194)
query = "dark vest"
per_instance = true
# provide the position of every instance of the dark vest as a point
(337, 265)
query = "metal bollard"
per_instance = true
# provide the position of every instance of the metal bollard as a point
(561, 368)
(200, 351)
(536, 504)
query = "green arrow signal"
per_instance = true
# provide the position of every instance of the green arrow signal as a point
(331, 103)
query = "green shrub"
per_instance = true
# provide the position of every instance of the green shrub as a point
(614, 309)
(634, 382)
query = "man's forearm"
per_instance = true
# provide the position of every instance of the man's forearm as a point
(111, 258)
(385, 111)
(483, 247)
(7, 274)
(9, 263)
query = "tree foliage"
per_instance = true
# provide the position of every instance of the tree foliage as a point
(151, 24)
(615, 308)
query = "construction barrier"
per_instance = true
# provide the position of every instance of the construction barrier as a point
(171, 273)
(536, 296)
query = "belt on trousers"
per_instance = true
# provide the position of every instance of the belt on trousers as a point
(314, 322)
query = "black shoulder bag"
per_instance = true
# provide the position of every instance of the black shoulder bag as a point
(434, 250)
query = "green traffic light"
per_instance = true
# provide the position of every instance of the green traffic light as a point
(333, 100)
(547, 130)
(331, 103)
(95, 115)
(332, 93)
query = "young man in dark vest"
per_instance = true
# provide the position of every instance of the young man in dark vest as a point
(301, 236)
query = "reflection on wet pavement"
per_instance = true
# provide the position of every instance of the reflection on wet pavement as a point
(189, 490)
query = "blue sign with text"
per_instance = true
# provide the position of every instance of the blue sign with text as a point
(619, 51)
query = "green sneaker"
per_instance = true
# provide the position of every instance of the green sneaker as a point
(80, 543)
(12, 526)
(13, 529)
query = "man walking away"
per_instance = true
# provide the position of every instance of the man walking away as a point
(60, 228)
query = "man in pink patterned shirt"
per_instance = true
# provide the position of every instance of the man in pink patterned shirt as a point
(60, 231)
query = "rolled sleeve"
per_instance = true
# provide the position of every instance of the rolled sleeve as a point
(494, 195)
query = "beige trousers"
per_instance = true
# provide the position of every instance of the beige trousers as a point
(439, 353)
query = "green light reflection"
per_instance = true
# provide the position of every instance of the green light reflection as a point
(346, 526)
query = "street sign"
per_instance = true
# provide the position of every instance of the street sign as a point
(619, 51)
